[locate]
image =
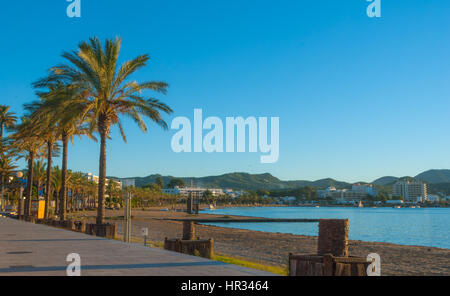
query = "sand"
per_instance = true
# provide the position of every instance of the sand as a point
(273, 248)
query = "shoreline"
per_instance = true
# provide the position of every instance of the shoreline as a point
(273, 248)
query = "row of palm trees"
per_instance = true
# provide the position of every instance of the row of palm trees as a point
(86, 95)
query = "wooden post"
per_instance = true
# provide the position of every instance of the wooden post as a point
(328, 265)
(189, 204)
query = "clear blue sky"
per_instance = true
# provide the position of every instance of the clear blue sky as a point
(358, 98)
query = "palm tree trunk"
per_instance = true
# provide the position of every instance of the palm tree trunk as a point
(38, 186)
(63, 191)
(55, 197)
(49, 177)
(102, 172)
(29, 192)
(1, 131)
(3, 192)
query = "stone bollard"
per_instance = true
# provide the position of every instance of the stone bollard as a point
(333, 237)
(188, 230)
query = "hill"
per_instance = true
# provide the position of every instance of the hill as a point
(383, 181)
(244, 181)
(437, 180)
(435, 176)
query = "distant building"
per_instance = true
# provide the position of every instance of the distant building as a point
(433, 198)
(94, 178)
(329, 192)
(289, 199)
(357, 192)
(366, 189)
(411, 190)
(395, 202)
(195, 191)
(128, 182)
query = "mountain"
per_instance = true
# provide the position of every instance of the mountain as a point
(383, 181)
(437, 179)
(243, 181)
(435, 176)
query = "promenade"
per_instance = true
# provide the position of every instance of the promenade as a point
(39, 250)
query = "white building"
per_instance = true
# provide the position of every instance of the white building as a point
(128, 182)
(94, 178)
(411, 190)
(394, 202)
(195, 191)
(357, 192)
(366, 189)
(327, 192)
(433, 198)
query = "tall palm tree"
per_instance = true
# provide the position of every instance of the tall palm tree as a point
(27, 140)
(44, 119)
(106, 95)
(50, 110)
(7, 119)
(7, 168)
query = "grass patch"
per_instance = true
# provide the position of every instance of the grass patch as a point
(273, 269)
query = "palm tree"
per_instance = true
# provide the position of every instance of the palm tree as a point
(44, 120)
(50, 110)
(7, 119)
(6, 170)
(27, 140)
(105, 95)
(39, 174)
(56, 185)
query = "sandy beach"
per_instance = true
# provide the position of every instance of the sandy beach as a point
(273, 248)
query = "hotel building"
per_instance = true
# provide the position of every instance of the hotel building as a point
(95, 179)
(411, 190)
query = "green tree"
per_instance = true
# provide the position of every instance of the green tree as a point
(176, 182)
(7, 119)
(159, 182)
(7, 168)
(106, 95)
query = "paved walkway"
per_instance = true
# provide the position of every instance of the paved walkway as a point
(31, 249)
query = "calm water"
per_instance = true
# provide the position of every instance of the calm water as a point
(422, 227)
